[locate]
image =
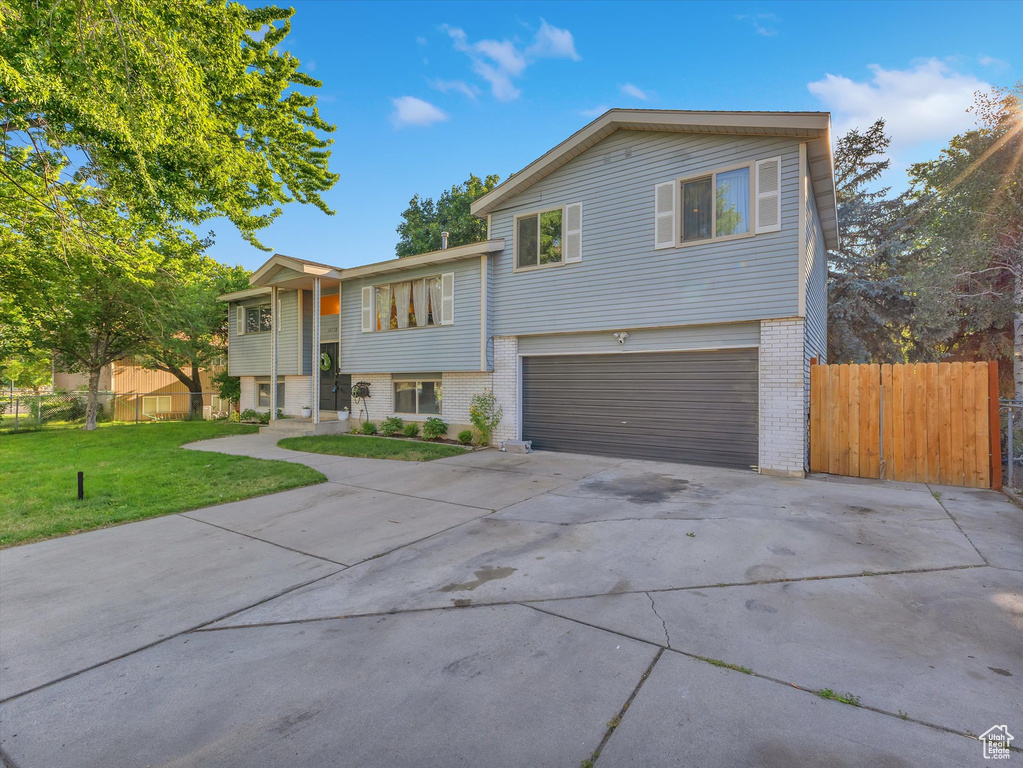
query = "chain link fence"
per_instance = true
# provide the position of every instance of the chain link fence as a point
(1012, 443)
(26, 410)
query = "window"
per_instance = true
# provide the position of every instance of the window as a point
(409, 304)
(151, 406)
(716, 205)
(418, 397)
(263, 394)
(538, 239)
(257, 319)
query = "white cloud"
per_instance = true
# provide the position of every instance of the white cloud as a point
(595, 112)
(763, 23)
(408, 110)
(499, 62)
(552, 43)
(924, 103)
(456, 86)
(421, 40)
(991, 61)
(628, 89)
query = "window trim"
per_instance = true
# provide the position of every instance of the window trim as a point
(157, 411)
(373, 315)
(418, 381)
(281, 385)
(515, 249)
(258, 308)
(713, 175)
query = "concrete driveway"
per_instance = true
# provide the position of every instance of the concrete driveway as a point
(501, 610)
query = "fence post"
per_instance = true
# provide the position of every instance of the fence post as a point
(17, 407)
(1012, 454)
(994, 426)
(39, 409)
(136, 408)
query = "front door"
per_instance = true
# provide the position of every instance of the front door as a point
(327, 365)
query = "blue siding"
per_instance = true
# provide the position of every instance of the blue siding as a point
(737, 335)
(249, 354)
(453, 347)
(816, 283)
(622, 281)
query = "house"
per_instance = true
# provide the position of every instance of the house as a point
(133, 391)
(653, 287)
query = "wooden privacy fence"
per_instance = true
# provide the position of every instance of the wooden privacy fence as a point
(927, 423)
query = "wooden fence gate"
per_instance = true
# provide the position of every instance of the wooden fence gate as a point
(927, 423)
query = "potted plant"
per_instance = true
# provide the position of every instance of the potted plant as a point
(306, 411)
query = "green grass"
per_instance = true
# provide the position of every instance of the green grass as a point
(131, 473)
(847, 698)
(725, 665)
(371, 447)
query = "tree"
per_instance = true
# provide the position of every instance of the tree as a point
(122, 122)
(182, 110)
(868, 304)
(424, 220)
(30, 369)
(188, 328)
(968, 269)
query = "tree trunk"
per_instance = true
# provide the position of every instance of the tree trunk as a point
(196, 398)
(92, 401)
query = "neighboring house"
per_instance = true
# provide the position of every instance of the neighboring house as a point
(653, 287)
(152, 394)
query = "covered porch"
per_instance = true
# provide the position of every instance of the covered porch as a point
(327, 393)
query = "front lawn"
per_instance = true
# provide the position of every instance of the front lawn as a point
(371, 447)
(131, 472)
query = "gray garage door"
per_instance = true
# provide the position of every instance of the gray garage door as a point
(697, 407)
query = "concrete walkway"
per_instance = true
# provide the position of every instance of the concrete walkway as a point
(503, 610)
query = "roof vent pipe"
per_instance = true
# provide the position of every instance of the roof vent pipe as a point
(443, 240)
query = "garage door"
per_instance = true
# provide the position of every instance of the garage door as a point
(697, 407)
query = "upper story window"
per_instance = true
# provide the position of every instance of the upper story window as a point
(257, 319)
(408, 304)
(548, 238)
(717, 205)
(723, 204)
(538, 239)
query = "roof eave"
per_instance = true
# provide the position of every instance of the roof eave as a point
(424, 259)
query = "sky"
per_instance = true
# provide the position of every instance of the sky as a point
(424, 94)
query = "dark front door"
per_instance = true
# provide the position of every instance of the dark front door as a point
(327, 365)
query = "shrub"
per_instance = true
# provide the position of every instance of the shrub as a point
(391, 426)
(465, 436)
(485, 414)
(233, 416)
(368, 428)
(411, 429)
(227, 387)
(434, 428)
(264, 418)
(249, 415)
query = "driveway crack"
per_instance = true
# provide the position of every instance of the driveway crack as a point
(667, 637)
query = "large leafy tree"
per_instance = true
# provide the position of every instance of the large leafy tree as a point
(968, 269)
(424, 219)
(868, 303)
(188, 327)
(121, 123)
(182, 110)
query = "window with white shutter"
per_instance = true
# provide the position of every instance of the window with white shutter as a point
(367, 309)
(447, 288)
(239, 323)
(664, 215)
(769, 195)
(573, 232)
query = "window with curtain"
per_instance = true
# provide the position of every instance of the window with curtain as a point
(418, 397)
(716, 205)
(408, 304)
(539, 238)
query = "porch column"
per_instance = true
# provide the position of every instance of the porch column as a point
(273, 352)
(315, 378)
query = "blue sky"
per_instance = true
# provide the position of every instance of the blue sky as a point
(423, 94)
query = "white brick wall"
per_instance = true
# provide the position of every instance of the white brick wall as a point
(506, 386)
(381, 396)
(297, 393)
(783, 405)
(459, 387)
(248, 397)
